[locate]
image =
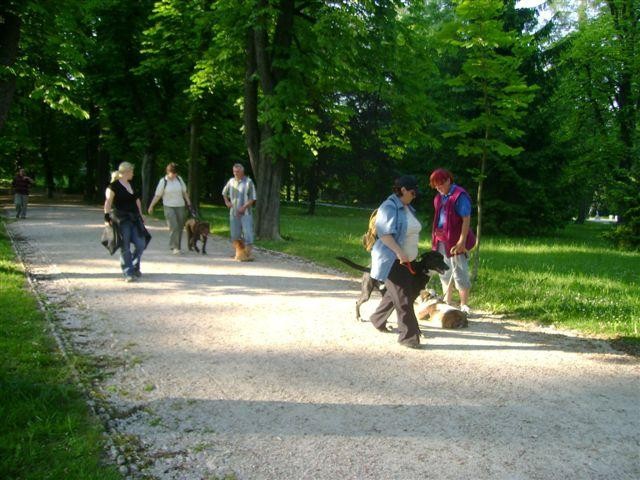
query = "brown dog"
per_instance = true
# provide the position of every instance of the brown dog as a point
(197, 231)
(442, 314)
(243, 252)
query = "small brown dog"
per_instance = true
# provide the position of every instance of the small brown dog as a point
(442, 314)
(243, 252)
(197, 231)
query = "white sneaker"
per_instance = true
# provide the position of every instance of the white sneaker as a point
(176, 251)
(465, 309)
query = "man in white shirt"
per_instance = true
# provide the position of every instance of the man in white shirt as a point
(239, 196)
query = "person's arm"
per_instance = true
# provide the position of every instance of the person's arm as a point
(390, 242)
(109, 194)
(185, 194)
(154, 200)
(225, 196)
(463, 208)
(459, 248)
(157, 195)
(139, 204)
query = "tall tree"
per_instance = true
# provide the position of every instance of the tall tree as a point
(491, 86)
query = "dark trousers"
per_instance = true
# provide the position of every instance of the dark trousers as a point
(398, 296)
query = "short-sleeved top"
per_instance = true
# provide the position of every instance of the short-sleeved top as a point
(239, 192)
(391, 219)
(122, 199)
(172, 191)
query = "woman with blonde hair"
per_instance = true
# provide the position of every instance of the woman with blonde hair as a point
(123, 210)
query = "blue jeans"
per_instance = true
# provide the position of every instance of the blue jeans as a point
(130, 262)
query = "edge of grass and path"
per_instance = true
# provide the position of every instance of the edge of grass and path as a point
(47, 431)
(572, 280)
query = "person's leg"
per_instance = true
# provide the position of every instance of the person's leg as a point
(445, 278)
(462, 278)
(17, 201)
(247, 233)
(126, 229)
(247, 229)
(137, 238)
(398, 286)
(171, 217)
(383, 312)
(235, 227)
(25, 202)
(181, 217)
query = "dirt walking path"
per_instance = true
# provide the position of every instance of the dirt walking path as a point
(214, 369)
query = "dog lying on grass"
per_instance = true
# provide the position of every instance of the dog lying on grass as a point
(197, 231)
(424, 266)
(243, 252)
(438, 311)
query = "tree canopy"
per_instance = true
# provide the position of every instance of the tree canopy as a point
(534, 110)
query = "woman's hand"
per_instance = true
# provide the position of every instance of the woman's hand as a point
(458, 248)
(150, 210)
(402, 257)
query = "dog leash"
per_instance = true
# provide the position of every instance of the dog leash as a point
(409, 267)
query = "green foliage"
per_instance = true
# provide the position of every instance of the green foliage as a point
(46, 429)
(363, 91)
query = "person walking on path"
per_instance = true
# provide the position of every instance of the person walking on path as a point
(21, 185)
(123, 210)
(452, 235)
(398, 232)
(239, 196)
(175, 200)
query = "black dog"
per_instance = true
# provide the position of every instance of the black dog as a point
(424, 266)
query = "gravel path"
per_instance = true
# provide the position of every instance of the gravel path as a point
(215, 369)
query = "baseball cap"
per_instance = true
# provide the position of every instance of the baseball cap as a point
(407, 181)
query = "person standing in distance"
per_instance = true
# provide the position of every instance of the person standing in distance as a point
(239, 196)
(21, 184)
(452, 235)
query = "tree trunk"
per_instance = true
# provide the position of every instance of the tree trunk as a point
(9, 41)
(269, 177)
(146, 173)
(46, 129)
(91, 183)
(194, 159)
(103, 172)
(262, 61)
(476, 252)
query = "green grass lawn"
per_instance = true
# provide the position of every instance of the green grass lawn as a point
(46, 430)
(571, 280)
